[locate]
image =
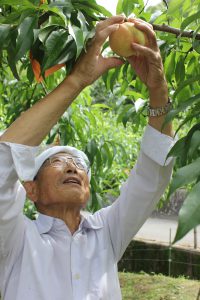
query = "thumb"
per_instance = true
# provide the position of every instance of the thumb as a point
(142, 50)
(113, 62)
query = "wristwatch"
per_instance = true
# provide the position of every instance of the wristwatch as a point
(159, 111)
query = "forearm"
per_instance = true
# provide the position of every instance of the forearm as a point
(158, 98)
(34, 124)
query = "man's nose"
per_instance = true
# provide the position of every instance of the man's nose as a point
(70, 167)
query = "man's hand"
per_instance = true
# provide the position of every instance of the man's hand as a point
(91, 65)
(147, 62)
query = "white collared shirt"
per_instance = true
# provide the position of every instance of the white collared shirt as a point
(41, 260)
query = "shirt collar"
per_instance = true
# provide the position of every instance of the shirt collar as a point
(45, 223)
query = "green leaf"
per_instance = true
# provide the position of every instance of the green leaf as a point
(45, 32)
(178, 148)
(111, 78)
(170, 65)
(91, 150)
(107, 155)
(181, 107)
(25, 36)
(119, 8)
(189, 216)
(11, 53)
(77, 34)
(182, 146)
(189, 20)
(185, 175)
(98, 160)
(185, 83)
(96, 8)
(196, 46)
(67, 53)
(128, 7)
(189, 117)
(12, 18)
(30, 74)
(4, 32)
(56, 10)
(194, 143)
(20, 3)
(55, 44)
(174, 5)
(180, 70)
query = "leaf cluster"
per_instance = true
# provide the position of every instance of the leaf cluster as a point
(53, 32)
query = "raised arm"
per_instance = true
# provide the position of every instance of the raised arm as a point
(149, 67)
(151, 174)
(33, 125)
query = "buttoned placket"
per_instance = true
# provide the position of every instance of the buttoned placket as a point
(78, 240)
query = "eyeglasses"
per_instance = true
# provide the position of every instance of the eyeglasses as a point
(62, 161)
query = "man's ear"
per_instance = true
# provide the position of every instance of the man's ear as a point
(31, 190)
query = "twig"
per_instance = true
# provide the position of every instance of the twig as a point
(166, 28)
(143, 7)
(177, 32)
(165, 3)
(44, 88)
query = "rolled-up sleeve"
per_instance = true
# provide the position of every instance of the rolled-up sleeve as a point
(17, 163)
(140, 193)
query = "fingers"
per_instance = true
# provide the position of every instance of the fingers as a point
(113, 62)
(104, 29)
(148, 30)
(140, 21)
(147, 52)
(110, 21)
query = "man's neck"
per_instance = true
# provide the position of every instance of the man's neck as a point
(71, 217)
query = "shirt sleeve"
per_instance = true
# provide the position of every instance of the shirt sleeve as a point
(140, 193)
(17, 163)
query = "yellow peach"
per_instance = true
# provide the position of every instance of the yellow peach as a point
(121, 39)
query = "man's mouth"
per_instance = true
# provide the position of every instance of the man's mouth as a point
(72, 180)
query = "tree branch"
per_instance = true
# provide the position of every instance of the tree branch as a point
(166, 28)
(177, 32)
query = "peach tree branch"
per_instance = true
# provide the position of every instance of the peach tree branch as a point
(177, 32)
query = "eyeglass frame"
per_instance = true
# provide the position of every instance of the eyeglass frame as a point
(65, 159)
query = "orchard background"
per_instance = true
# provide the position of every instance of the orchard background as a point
(106, 121)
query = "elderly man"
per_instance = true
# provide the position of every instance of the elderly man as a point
(64, 255)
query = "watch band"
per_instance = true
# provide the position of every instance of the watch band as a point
(159, 111)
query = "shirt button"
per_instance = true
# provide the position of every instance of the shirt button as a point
(77, 276)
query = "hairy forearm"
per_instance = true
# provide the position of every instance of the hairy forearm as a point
(34, 124)
(158, 98)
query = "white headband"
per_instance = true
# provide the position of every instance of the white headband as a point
(40, 159)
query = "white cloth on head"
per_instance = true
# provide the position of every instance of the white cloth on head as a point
(40, 159)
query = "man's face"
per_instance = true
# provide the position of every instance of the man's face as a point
(62, 181)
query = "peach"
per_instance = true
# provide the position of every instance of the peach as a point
(121, 39)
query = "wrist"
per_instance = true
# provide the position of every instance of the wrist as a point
(71, 86)
(159, 111)
(74, 83)
(158, 96)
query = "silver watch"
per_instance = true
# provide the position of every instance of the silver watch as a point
(159, 111)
